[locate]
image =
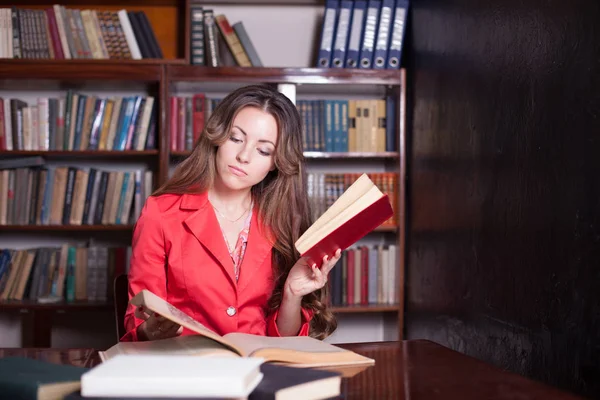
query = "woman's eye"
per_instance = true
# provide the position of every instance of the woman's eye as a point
(235, 140)
(264, 153)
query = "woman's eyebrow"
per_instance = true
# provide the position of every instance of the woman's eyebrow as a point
(260, 140)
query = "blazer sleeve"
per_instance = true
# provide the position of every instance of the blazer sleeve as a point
(147, 266)
(272, 329)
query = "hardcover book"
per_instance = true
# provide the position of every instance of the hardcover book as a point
(300, 351)
(358, 211)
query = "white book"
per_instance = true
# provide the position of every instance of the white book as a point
(173, 376)
(129, 35)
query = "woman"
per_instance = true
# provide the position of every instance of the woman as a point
(217, 239)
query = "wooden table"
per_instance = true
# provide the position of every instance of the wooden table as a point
(409, 370)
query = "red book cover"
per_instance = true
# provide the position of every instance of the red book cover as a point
(350, 278)
(364, 276)
(198, 116)
(351, 231)
(55, 37)
(173, 123)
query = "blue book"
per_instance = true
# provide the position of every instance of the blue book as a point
(341, 34)
(397, 35)
(27, 378)
(370, 32)
(356, 30)
(327, 34)
(383, 34)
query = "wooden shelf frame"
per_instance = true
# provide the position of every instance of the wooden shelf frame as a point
(66, 228)
(81, 70)
(392, 155)
(315, 76)
(79, 153)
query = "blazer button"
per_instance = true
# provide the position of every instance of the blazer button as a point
(231, 311)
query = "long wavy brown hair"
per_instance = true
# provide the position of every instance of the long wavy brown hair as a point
(281, 198)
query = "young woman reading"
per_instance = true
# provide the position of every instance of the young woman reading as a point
(217, 239)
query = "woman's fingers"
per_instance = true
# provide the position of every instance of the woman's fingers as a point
(320, 277)
(158, 327)
(328, 263)
(141, 313)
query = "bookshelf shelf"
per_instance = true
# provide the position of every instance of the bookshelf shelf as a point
(62, 305)
(325, 155)
(183, 73)
(373, 308)
(80, 153)
(105, 3)
(81, 70)
(351, 155)
(65, 228)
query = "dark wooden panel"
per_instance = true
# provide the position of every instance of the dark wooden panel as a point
(504, 242)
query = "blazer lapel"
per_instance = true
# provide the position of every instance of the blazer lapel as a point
(204, 226)
(257, 249)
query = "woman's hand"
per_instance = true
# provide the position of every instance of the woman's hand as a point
(155, 326)
(304, 278)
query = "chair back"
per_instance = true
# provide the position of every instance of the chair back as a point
(121, 297)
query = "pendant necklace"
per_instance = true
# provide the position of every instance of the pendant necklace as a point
(230, 220)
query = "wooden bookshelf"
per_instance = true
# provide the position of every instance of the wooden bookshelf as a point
(169, 19)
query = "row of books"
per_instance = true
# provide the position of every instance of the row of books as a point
(363, 34)
(66, 195)
(79, 122)
(348, 125)
(215, 43)
(71, 273)
(325, 188)
(188, 114)
(61, 33)
(366, 125)
(365, 275)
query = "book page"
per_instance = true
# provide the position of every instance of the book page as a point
(296, 349)
(354, 192)
(195, 345)
(158, 305)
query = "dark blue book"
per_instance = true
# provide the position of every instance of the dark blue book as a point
(24, 378)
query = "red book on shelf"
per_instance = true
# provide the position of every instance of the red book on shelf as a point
(358, 211)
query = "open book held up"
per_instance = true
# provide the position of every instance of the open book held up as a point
(359, 210)
(300, 351)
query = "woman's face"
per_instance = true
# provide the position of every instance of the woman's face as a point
(247, 156)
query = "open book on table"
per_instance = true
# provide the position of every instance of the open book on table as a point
(298, 351)
(358, 211)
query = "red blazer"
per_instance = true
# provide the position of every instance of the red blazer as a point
(180, 255)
